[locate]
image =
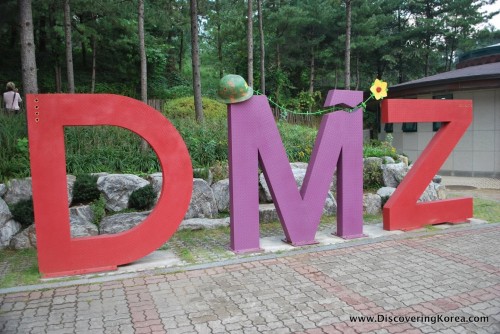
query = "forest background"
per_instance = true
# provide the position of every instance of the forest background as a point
(294, 51)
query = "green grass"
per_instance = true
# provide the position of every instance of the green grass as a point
(21, 268)
(487, 210)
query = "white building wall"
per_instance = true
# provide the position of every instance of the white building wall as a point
(477, 153)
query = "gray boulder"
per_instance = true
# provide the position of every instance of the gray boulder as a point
(5, 213)
(3, 189)
(433, 192)
(205, 174)
(70, 181)
(122, 222)
(221, 194)
(330, 207)
(388, 160)
(267, 213)
(117, 189)
(25, 239)
(21, 189)
(8, 229)
(18, 190)
(299, 165)
(299, 175)
(404, 160)
(203, 204)
(386, 191)
(393, 174)
(80, 218)
(156, 181)
(203, 223)
(372, 204)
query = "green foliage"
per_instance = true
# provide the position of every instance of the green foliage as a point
(14, 157)
(184, 108)
(107, 149)
(372, 176)
(98, 207)
(142, 198)
(201, 173)
(206, 142)
(177, 92)
(85, 189)
(22, 212)
(379, 149)
(298, 141)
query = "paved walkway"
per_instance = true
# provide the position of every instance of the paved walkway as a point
(475, 182)
(444, 281)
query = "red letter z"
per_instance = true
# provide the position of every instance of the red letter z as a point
(402, 212)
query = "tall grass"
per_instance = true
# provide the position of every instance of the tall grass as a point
(111, 149)
(91, 149)
(14, 161)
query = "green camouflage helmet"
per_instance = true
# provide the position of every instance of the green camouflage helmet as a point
(233, 89)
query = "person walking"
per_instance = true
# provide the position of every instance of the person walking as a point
(11, 99)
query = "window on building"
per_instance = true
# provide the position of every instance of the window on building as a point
(410, 127)
(437, 125)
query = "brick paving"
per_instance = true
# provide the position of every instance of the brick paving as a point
(440, 276)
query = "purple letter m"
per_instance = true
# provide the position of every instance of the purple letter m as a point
(254, 138)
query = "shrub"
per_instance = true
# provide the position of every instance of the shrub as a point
(178, 92)
(99, 209)
(85, 189)
(22, 212)
(206, 142)
(372, 176)
(298, 140)
(184, 108)
(143, 198)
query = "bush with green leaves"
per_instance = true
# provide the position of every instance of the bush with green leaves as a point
(99, 209)
(143, 198)
(85, 189)
(184, 108)
(22, 212)
(177, 92)
(372, 176)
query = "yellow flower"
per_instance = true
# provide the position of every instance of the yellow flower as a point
(379, 89)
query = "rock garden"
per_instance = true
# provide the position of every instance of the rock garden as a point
(112, 203)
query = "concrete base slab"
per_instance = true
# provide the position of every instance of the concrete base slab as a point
(157, 259)
(274, 244)
(476, 221)
(326, 238)
(377, 231)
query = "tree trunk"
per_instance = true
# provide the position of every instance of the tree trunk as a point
(250, 42)
(94, 54)
(262, 49)
(311, 77)
(195, 58)
(57, 70)
(84, 54)
(181, 52)
(219, 39)
(69, 47)
(347, 70)
(142, 53)
(28, 59)
(357, 72)
(144, 69)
